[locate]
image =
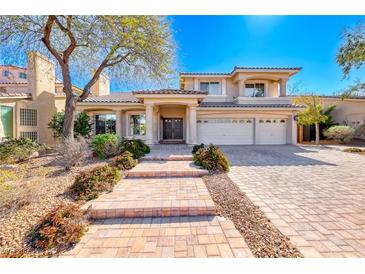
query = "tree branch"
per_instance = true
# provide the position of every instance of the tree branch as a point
(99, 70)
(73, 44)
(46, 38)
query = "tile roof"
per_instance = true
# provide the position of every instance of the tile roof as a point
(205, 73)
(115, 97)
(171, 91)
(273, 68)
(235, 105)
(19, 93)
(243, 68)
(13, 66)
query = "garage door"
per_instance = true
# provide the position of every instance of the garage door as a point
(225, 131)
(271, 131)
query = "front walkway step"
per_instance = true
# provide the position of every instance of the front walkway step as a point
(171, 157)
(154, 197)
(166, 169)
(192, 237)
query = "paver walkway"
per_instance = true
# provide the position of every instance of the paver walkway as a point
(166, 211)
(314, 195)
(198, 237)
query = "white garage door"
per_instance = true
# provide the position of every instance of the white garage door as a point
(271, 131)
(225, 131)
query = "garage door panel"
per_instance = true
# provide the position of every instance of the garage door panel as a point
(271, 131)
(225, 131)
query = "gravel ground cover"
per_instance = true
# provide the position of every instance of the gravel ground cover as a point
(261, 236)
(40, 184)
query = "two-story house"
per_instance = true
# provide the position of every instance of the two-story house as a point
(246, 106)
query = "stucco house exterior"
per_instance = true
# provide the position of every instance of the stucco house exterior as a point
(247, 106)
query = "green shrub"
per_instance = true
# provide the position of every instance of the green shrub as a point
(135, 146)
(15, 150)
(60, 229)
(211, 158)
(352, 149)
(105, 145)
(197, 147)
(82, 124)
(89, 184)
(342, 134)
(124, 161)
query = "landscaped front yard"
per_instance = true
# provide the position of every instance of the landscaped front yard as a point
(40, 198)
(29, 191)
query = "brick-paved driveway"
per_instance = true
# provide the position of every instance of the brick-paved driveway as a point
(314, 195)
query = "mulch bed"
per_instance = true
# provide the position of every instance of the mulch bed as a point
(260, 234)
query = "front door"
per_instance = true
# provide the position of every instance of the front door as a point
(172, 128)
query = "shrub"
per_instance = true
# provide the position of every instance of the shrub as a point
(105, 145)
(16, 150)
(211, 158)
(124, 161)
(59, 229)
(71, 152)
(360, 131)
(89, 184)
(82, 124)
(135, 146)
(352, 149)
(197, 147)
(342, 134)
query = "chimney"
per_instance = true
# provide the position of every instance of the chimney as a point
(41, 74)
(101, 86)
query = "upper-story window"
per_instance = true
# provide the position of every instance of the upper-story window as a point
(22, 75)
(6, 73)
(213, 88)
(255, 90)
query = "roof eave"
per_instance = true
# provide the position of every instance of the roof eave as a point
(156, 95)
(248, 108)
(109, 103)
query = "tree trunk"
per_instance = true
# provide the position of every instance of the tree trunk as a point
(317, 133)
(68, 124)
(70, 105)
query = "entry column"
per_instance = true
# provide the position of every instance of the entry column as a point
(149, 124)
(118, 122)
(192, 125)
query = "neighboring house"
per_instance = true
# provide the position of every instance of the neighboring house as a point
(28, 99)
(246, 106)
(349, 111)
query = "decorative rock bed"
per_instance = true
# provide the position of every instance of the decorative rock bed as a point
(261, 236)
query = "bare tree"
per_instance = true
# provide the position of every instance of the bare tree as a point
(128, 45)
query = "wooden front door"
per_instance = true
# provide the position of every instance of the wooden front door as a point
(172, 128)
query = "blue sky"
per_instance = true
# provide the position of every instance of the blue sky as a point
(218, 43)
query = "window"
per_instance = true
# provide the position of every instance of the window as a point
(255, 90)
(138, 124)
(28, 117)
(6, 120)
(33, 135)
(6, 73)
(22, 75)
(213, 88)
(105, 123)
